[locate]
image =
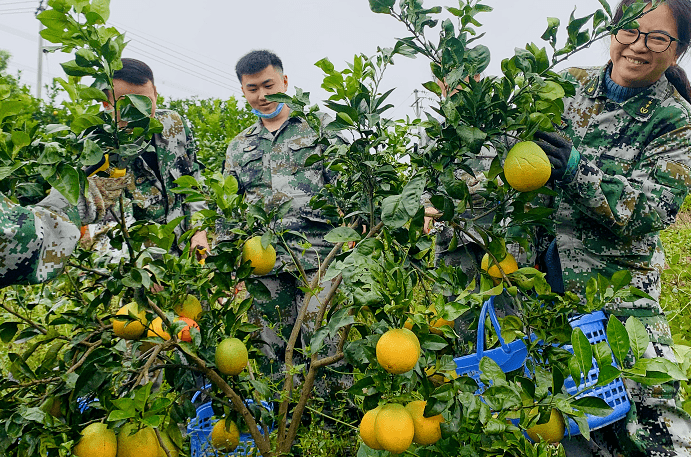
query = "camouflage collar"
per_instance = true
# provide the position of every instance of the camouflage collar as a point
(640, 106)
(258, 128)
(643, 105)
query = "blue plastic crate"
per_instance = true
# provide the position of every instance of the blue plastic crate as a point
(199, 431)
(593, 326)
(512, 356)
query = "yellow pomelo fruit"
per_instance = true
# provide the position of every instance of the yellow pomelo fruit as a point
(225, 440)
(551, 431)
(394, 428)
(189, 308)
(398, 350)
(508, 264)
(527, 167)
(174, 451)
(142, 443)
(97, 440)
(130, 329)
(156, 329)
(263, 260)
(231, 356)
(367, 433)
(427, 429)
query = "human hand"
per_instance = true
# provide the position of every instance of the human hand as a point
(430, 215)
(351, 244)
(558, 150)
(103, 193)
(199, 244)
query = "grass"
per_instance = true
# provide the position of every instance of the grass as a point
(675, 297)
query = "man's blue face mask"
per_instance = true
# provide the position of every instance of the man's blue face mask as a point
(269, 115)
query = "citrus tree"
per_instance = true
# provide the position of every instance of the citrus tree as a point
(110, 354)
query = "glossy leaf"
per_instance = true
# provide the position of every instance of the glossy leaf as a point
(618, 339)
(638, 336)
(381, 6)
(342, 235)
(582, 350)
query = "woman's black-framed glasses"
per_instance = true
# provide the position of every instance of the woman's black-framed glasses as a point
(657, 41)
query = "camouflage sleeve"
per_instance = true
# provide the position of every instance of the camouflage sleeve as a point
(646, 199)
(191, 148)
(35, 242)
(231, 164)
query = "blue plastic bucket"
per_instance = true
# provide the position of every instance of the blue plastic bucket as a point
(509, 356)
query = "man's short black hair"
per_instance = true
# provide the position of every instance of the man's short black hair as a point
(135, 72)
(256, 61)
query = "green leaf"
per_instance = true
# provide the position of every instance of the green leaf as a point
(342, 235)
(66, 181)
(187, 182)
(550, 33)
(661, 365)
(10, 108)
(345, 118)
(582, 350)
(393, 212)
(153, 421)
(638, 336)
(575, 370)
(141, 396)
(606, 6)
(491, 371)
(102, 8)
(7, 331)
(91, 93)
(141, 102)
(257, 289)
(592, 405)
(53, 19)
(381, 6)
(19, 140)
(92, 153)
(618, 339)
(602, 353)
(119, 414)
(651, 378)
(551, 91)
(85, 121)
(74, 69)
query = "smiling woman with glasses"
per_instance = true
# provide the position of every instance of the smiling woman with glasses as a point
(621, 171)
(656, 41)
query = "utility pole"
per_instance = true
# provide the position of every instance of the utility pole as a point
(417, 104)
(39, 78)
(418, 112)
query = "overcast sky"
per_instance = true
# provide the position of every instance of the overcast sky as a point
(193, 46)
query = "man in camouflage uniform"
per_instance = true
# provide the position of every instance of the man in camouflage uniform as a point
(621, 178)
(268, 161)
(149, 196)
(36, 241)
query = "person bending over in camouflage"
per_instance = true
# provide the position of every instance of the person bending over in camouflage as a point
(621, 168)
(149, 196)
(36, 241)
(268, 161)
